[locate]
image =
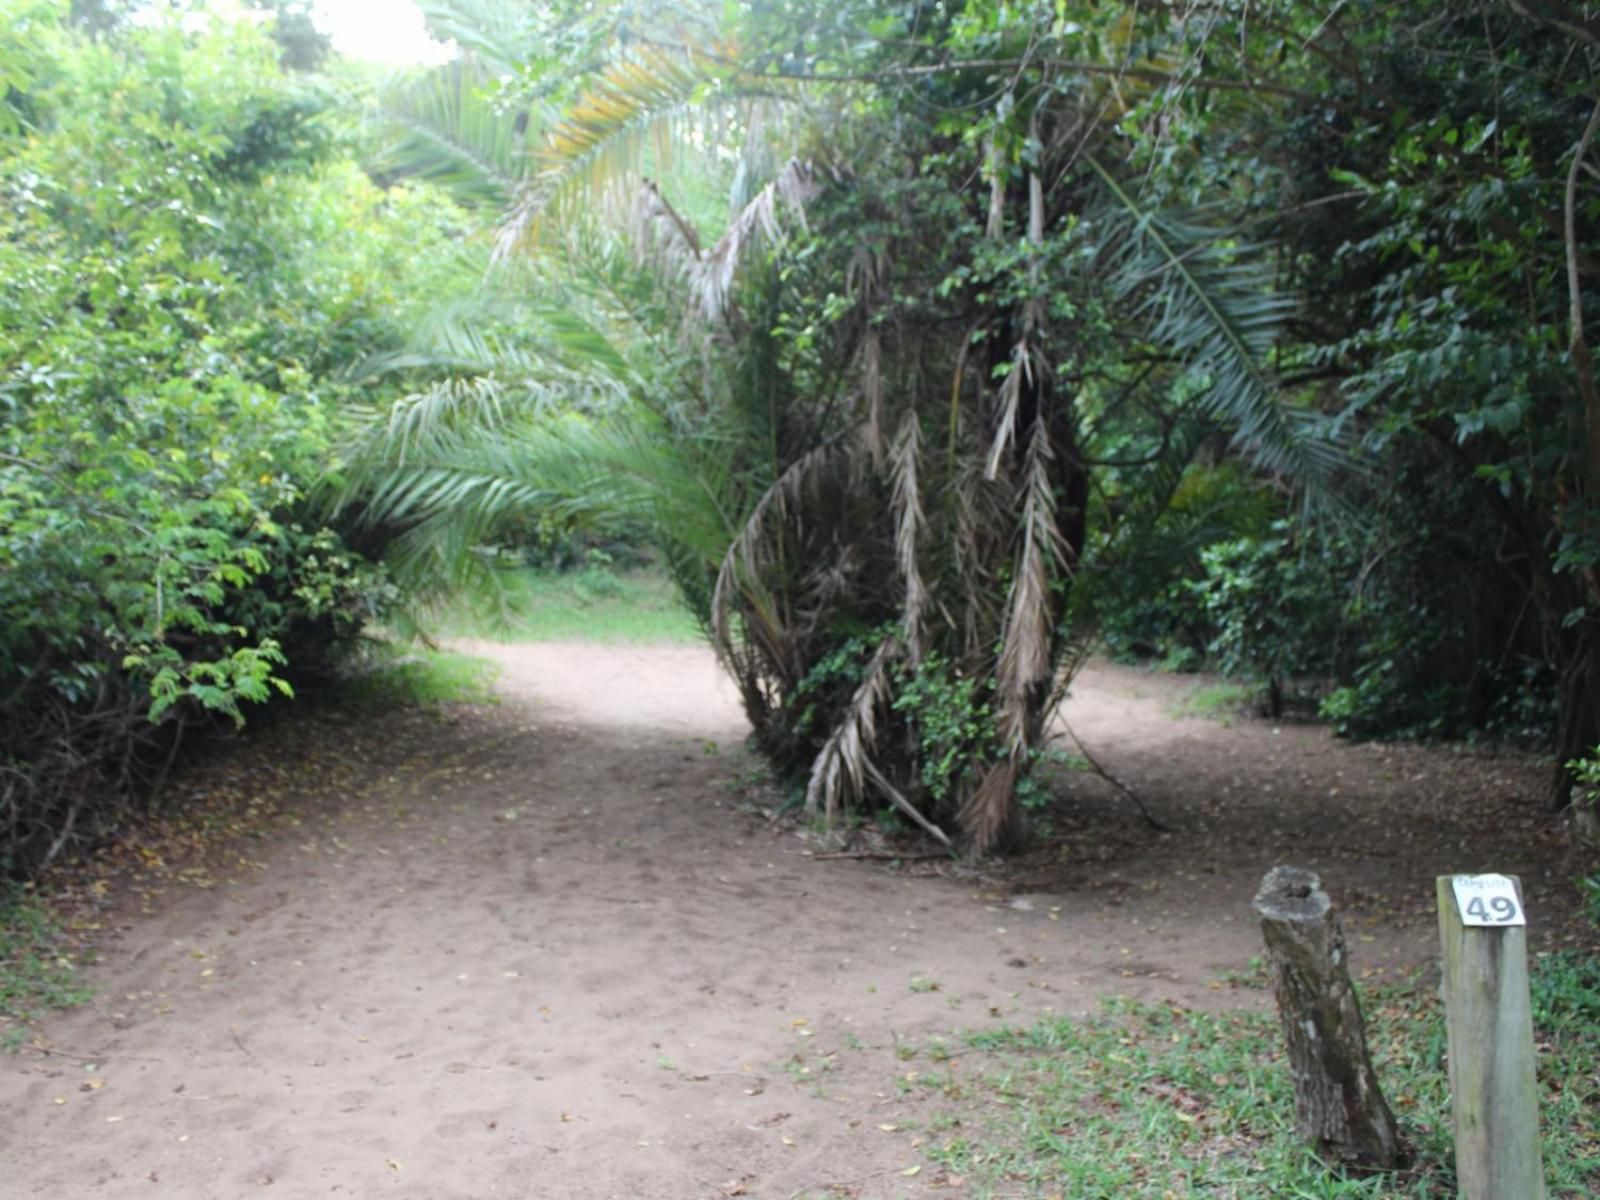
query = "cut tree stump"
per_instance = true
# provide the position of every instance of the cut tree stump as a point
(1339, 1107)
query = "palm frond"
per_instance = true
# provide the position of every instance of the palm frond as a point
(757, 222)
(640, 101)
(840, 770)
(909, 522)
(447, 131)
(710, 273)
(1209, 300)
(988, 813)
(746, 566)
(1019, 377)
(500, 34)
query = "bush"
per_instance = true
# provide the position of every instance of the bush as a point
(1274, 617)
(172, 330)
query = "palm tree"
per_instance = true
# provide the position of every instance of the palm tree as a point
(872, 433)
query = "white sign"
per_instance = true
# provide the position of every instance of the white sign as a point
(1487, 900)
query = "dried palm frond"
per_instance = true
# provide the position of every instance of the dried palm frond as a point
(1026, 657)
(872, 390)
(1020, 375)
(710, 273)
(909, 523)
(840, 770)
(987, 816)
(1026, 667)
(756, 222)
(983, 513)
(995, 223)
(742, 578)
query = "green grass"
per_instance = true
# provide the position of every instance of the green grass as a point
(1217, 701)
(1154, 1103)
(395, 677)
(594, 604)
(36, 975)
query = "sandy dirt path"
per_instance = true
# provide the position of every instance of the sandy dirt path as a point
(552, 950)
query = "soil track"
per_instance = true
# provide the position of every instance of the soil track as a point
(554, 949)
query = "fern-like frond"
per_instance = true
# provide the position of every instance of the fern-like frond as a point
(1209, 300)
(642, 101)
(446, 130)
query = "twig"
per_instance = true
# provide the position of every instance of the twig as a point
(1094, 765)
(886, 855)
(239, 1042)
(95, 1057)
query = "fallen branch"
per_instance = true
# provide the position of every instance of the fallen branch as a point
(1094, 765)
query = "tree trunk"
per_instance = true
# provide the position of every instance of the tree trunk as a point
(1578, 691)
(1339, 1107)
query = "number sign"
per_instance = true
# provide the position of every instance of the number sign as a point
(1489, 900)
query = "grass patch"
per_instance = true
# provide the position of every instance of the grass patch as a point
(394, 677)
(592, 604)
(1157, 1103)
(1223, 702)
(36, 973)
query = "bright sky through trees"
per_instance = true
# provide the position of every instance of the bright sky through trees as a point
(383, 31)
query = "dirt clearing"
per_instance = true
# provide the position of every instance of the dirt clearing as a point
(558, 948)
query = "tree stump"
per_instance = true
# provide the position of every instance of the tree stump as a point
(1339, 1107)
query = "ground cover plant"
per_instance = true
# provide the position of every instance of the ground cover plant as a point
(1156, 1101)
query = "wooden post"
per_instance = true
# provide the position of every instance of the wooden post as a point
(1338, 1105)
(1494, 1094)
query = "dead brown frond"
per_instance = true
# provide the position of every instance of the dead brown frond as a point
(987, 816)
(658, 229)
(909, 522)
(840, 770)
(758, 220)
(872, 389)
(1027, 661)
(1019, 376)
(995, 225)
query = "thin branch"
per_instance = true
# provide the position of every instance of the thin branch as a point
(1094, 765)
(1570, 21)
(882, 783)
(1582, 361)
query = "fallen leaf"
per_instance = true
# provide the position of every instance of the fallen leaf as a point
(909, 1171)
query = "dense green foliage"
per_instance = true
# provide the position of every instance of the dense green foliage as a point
(187, 267)
(926, 344)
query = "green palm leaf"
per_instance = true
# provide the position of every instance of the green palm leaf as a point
(1209, 301)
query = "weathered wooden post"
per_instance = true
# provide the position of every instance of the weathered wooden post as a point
(1338, 1105)
(1494, 1094)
